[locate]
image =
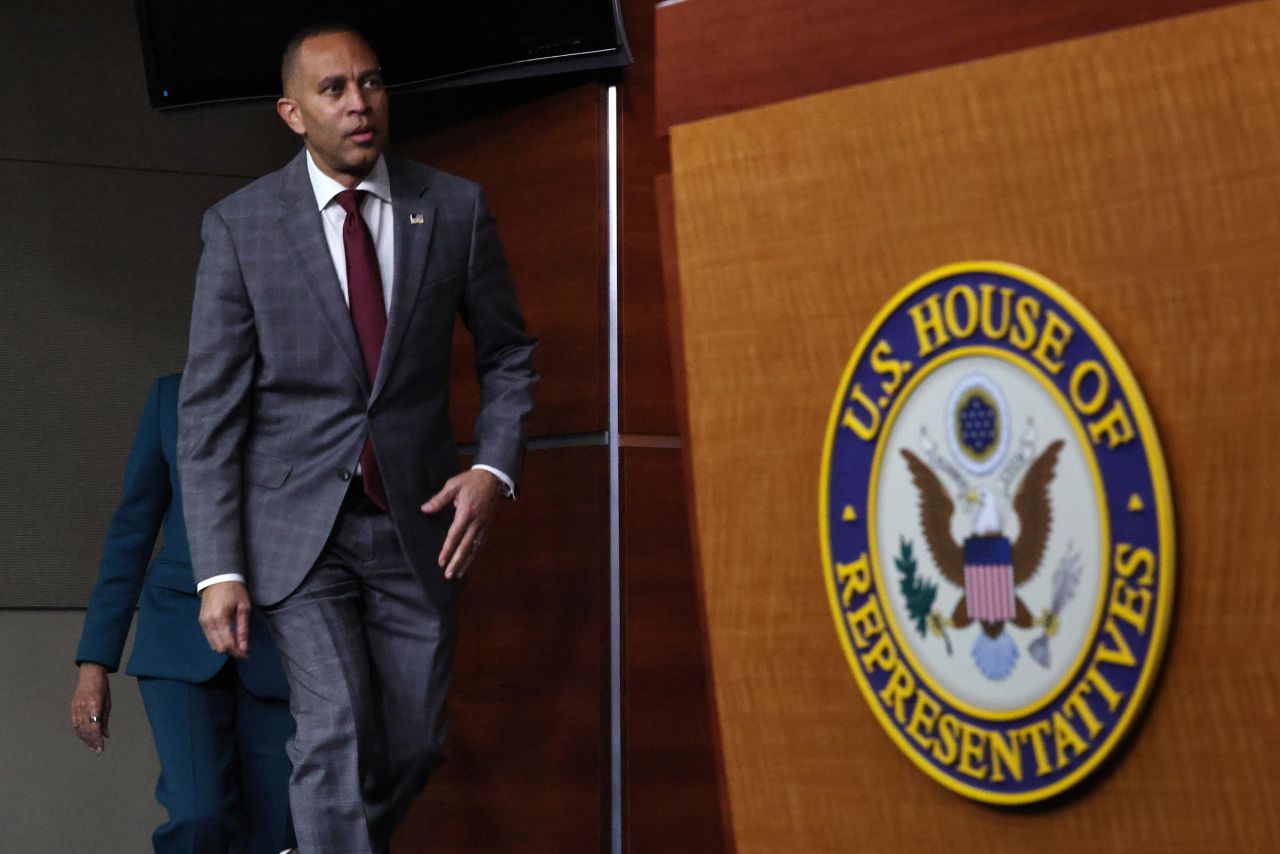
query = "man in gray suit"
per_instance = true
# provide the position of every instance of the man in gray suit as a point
(318, 468)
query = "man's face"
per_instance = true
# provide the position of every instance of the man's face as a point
(335, 101)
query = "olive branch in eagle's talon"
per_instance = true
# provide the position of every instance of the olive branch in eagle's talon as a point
(919, 593)
(939, 624)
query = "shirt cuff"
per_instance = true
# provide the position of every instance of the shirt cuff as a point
(218, 579)
(509, 486)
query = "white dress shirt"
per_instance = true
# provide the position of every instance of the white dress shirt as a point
(376, 210)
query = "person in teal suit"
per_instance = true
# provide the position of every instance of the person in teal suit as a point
(219, 725)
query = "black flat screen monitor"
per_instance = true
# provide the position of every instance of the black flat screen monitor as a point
(197, 53)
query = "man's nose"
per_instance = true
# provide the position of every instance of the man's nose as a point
(358, 101)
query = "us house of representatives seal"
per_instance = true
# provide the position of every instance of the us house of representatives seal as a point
(997, 532)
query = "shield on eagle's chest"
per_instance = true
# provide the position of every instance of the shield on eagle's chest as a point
(988, 578)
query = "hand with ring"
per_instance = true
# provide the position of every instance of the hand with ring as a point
(91, 706)
(473, 494)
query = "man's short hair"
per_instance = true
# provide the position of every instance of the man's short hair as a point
(289, 59)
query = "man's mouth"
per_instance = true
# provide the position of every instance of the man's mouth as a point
(362, 136)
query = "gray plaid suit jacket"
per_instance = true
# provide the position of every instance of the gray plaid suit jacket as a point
(275, 403)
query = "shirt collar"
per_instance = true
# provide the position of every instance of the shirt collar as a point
(325, 188)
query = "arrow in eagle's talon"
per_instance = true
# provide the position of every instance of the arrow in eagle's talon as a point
(1039, 650)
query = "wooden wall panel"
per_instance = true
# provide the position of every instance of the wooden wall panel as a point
(671, 764)
(647, 393)
(1141, 170)
(672, 767)
(664, 195)
(538, 153)
(718, 56)
(528, 745)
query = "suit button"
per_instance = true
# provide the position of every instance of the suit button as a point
(344, 474)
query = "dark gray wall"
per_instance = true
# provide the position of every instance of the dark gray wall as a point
(99, 238)
(76, 93)
(98, 246)
(56, 795)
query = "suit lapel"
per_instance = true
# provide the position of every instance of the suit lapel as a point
(305, 232)
(413, 218)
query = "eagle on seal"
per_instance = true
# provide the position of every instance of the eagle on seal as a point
(987, 566)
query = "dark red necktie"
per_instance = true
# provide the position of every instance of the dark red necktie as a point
(368, 316)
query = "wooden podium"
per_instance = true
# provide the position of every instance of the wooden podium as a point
(1141, 171)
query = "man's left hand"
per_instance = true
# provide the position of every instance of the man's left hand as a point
(474, 494)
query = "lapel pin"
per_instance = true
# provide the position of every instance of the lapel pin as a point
(415, 219)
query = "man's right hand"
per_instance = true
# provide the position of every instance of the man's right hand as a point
(224, 616)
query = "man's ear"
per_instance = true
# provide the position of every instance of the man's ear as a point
(292, 116)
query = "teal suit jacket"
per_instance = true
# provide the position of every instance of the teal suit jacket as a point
(169, 643)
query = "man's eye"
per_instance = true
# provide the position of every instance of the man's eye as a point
(373, 83)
